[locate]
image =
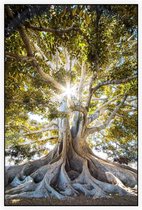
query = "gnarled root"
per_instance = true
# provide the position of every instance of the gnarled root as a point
(68, 175)
(24, 170)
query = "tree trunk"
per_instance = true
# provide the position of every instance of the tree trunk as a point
(68, 170)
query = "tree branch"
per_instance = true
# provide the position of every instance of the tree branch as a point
(26, 42)
(100, 110)
(98, 15)
(39, 140)
(90, 91)
(83, 71)
(103, 126)
(100, 99)
(26, 58)
(50, 127)
(52, 30)
(48, 63)
(18, 57)
(45, 76)
(11, 125)
(22, 15)
(130, 105)
(79, 108)
(114, 82)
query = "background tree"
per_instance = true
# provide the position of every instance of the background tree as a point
(76, 66)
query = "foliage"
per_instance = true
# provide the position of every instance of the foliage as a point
(104, 37)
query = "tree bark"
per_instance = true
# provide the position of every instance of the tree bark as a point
(68, 170)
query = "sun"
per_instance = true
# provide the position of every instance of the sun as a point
(69, 91)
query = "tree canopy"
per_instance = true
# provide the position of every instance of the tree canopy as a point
(86, 52)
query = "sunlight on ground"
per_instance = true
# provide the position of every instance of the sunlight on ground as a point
(14, 201)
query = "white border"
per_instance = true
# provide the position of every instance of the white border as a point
(71, 2)
(2, 2)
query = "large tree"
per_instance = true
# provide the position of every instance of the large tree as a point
(75, 65)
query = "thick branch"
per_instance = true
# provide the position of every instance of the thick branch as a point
(45, 76)
(114, 82)
(26, 42)
(90, 91)
(58, 30)
(29, 12)
(79, 109)
(103, 126)
(76, 107)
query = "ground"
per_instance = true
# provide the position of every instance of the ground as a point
(78, 201)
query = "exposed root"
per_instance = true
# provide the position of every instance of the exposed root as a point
(62, 176)
(64, 183)
(127, 177)
(24, 170)
(84, 181)
(27, 186)
(100, 189)
(114, 163)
